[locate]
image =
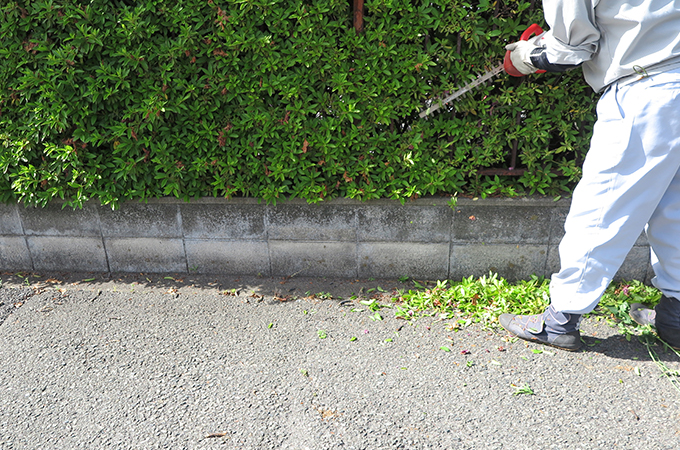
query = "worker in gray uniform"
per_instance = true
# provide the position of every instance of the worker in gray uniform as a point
(630, 51)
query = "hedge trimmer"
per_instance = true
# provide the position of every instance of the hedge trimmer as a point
(505, 65)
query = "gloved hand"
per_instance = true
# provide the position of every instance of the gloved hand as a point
(518, 55)
(518, 58)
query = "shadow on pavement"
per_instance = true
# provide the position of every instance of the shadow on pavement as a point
(617, 346)
(266, 286)
(280, 289)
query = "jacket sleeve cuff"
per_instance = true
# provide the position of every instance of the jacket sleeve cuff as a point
(539, 59)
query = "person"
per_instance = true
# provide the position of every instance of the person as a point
(629, 51)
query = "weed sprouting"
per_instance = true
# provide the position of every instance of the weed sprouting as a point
(525, 389)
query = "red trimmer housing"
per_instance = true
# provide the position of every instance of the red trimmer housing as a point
(534, 28)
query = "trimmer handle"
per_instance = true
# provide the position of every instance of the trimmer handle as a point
(534, 28)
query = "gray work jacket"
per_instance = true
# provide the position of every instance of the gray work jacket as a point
(613, 39)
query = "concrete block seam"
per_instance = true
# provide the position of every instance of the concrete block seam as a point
(267, 212)
(181, 232)
(449, 267)
(14, 253)
(546, 264)
(553, 214)
(101, 235)
(23, 232)
(357, 267)
(351, 256)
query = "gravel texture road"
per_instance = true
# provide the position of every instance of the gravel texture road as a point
(182, 362)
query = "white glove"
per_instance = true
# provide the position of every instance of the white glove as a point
(520, 56)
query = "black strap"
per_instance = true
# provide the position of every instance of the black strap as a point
(539, 59)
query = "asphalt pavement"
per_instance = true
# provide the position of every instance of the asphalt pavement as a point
(93, 361)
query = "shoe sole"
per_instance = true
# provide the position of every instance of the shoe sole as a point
(653, 326)
(634, 308)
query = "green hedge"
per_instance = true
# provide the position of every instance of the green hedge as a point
(125, 99)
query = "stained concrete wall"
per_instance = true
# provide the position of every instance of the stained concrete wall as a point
(425, 239)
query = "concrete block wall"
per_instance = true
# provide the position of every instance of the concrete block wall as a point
(424, 239)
